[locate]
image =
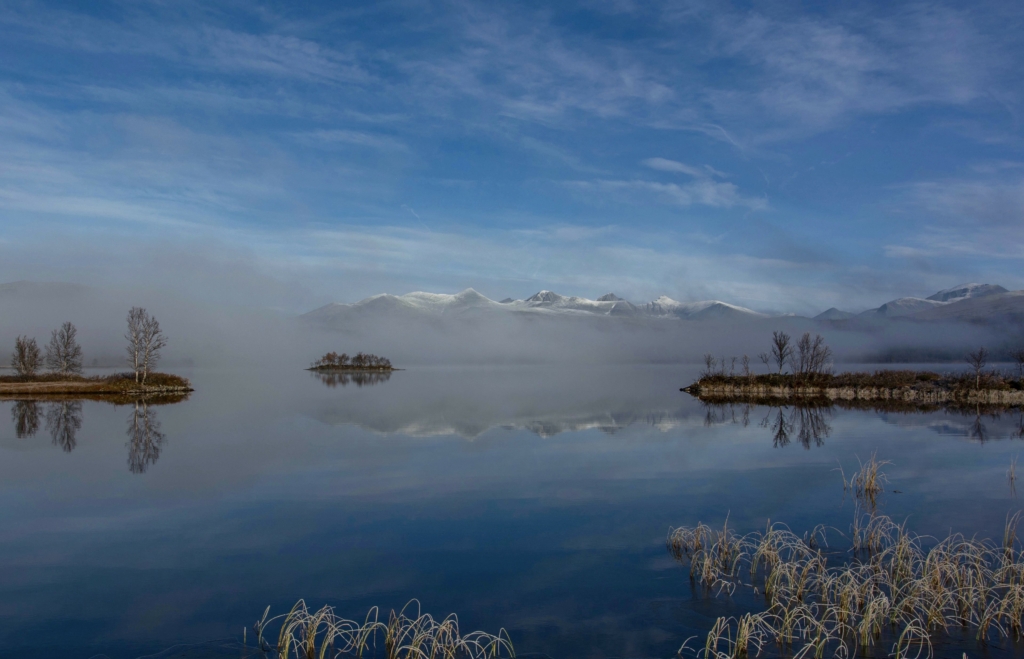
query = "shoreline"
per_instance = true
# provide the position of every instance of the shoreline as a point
(926, 395)
(888, 387)
(118, 385)
(351, 369)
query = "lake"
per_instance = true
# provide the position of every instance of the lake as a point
(536, 499)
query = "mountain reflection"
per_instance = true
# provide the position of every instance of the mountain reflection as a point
(63, 421)
(144, 438)
(358, 378)
(25, 414)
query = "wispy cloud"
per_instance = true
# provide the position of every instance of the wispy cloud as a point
(673, 121)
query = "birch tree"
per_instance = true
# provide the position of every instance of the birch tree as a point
(145, 340)
(63, 354)
(26, 359)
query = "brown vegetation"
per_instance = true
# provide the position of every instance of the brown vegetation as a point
(893, 587)
(58, 385)
(408, 634)
(333, 361)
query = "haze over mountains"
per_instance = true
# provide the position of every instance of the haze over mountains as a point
(975, 302)
(469, 328)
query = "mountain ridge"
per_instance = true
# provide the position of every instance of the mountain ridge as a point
(958, 303)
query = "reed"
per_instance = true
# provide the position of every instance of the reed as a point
(868, 481)
(407, 634)
(890, 585)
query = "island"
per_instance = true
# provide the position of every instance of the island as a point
(63, 358)
(917, 387)
(333, 362)
(804, 372)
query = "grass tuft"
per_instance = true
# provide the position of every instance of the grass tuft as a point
(407, 634)
(894, 586)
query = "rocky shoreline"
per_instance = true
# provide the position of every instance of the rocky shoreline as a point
(927, 394)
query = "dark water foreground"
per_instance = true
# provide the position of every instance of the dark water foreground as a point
(534, 499)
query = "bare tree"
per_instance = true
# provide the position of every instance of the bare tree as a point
(26, 360)
(63, 354)
(766, 359)
(709, 366)
(977, 361)
(812, 356)
(145, 340)
(1018, 357)
(746, 367)
(782, 349)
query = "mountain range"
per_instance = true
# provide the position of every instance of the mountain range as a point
(967, 302)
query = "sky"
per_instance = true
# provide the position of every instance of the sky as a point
(786, 157)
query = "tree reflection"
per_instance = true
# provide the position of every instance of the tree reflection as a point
(978, 430)
(63, 421)
(809, 422)
(25, 414)
(358, 378)
(781, 427)
(813, 425)
(719, 413)
(144, 438)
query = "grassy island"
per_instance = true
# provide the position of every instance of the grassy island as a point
(62, 385)
(63, 359)
(809, 376)
(920, 387)
(333, 362)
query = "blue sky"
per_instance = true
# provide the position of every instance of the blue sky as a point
(782, 156)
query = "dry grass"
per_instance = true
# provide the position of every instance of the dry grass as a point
(867, 482)
(306, 634)
(119, 383)
(894, 588)
(880, 379)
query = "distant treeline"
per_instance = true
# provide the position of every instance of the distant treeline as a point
(333, 360)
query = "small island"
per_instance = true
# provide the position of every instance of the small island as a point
(63, 362)
(810, 377)
(334, 362)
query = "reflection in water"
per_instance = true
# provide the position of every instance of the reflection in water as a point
(63, 421)
(25, 414)
(144, 438)
(358, 378)
(809, 423)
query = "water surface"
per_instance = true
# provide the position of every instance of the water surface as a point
(535, 499)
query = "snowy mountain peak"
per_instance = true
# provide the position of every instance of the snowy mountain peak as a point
(964, 291)
(610, 297)
(545, 296)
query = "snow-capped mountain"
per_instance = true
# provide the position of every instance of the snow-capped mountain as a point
(964, 291)
(543, 302)
(964, 302)
(912, 306)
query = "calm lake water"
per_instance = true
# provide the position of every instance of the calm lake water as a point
(534, 499)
